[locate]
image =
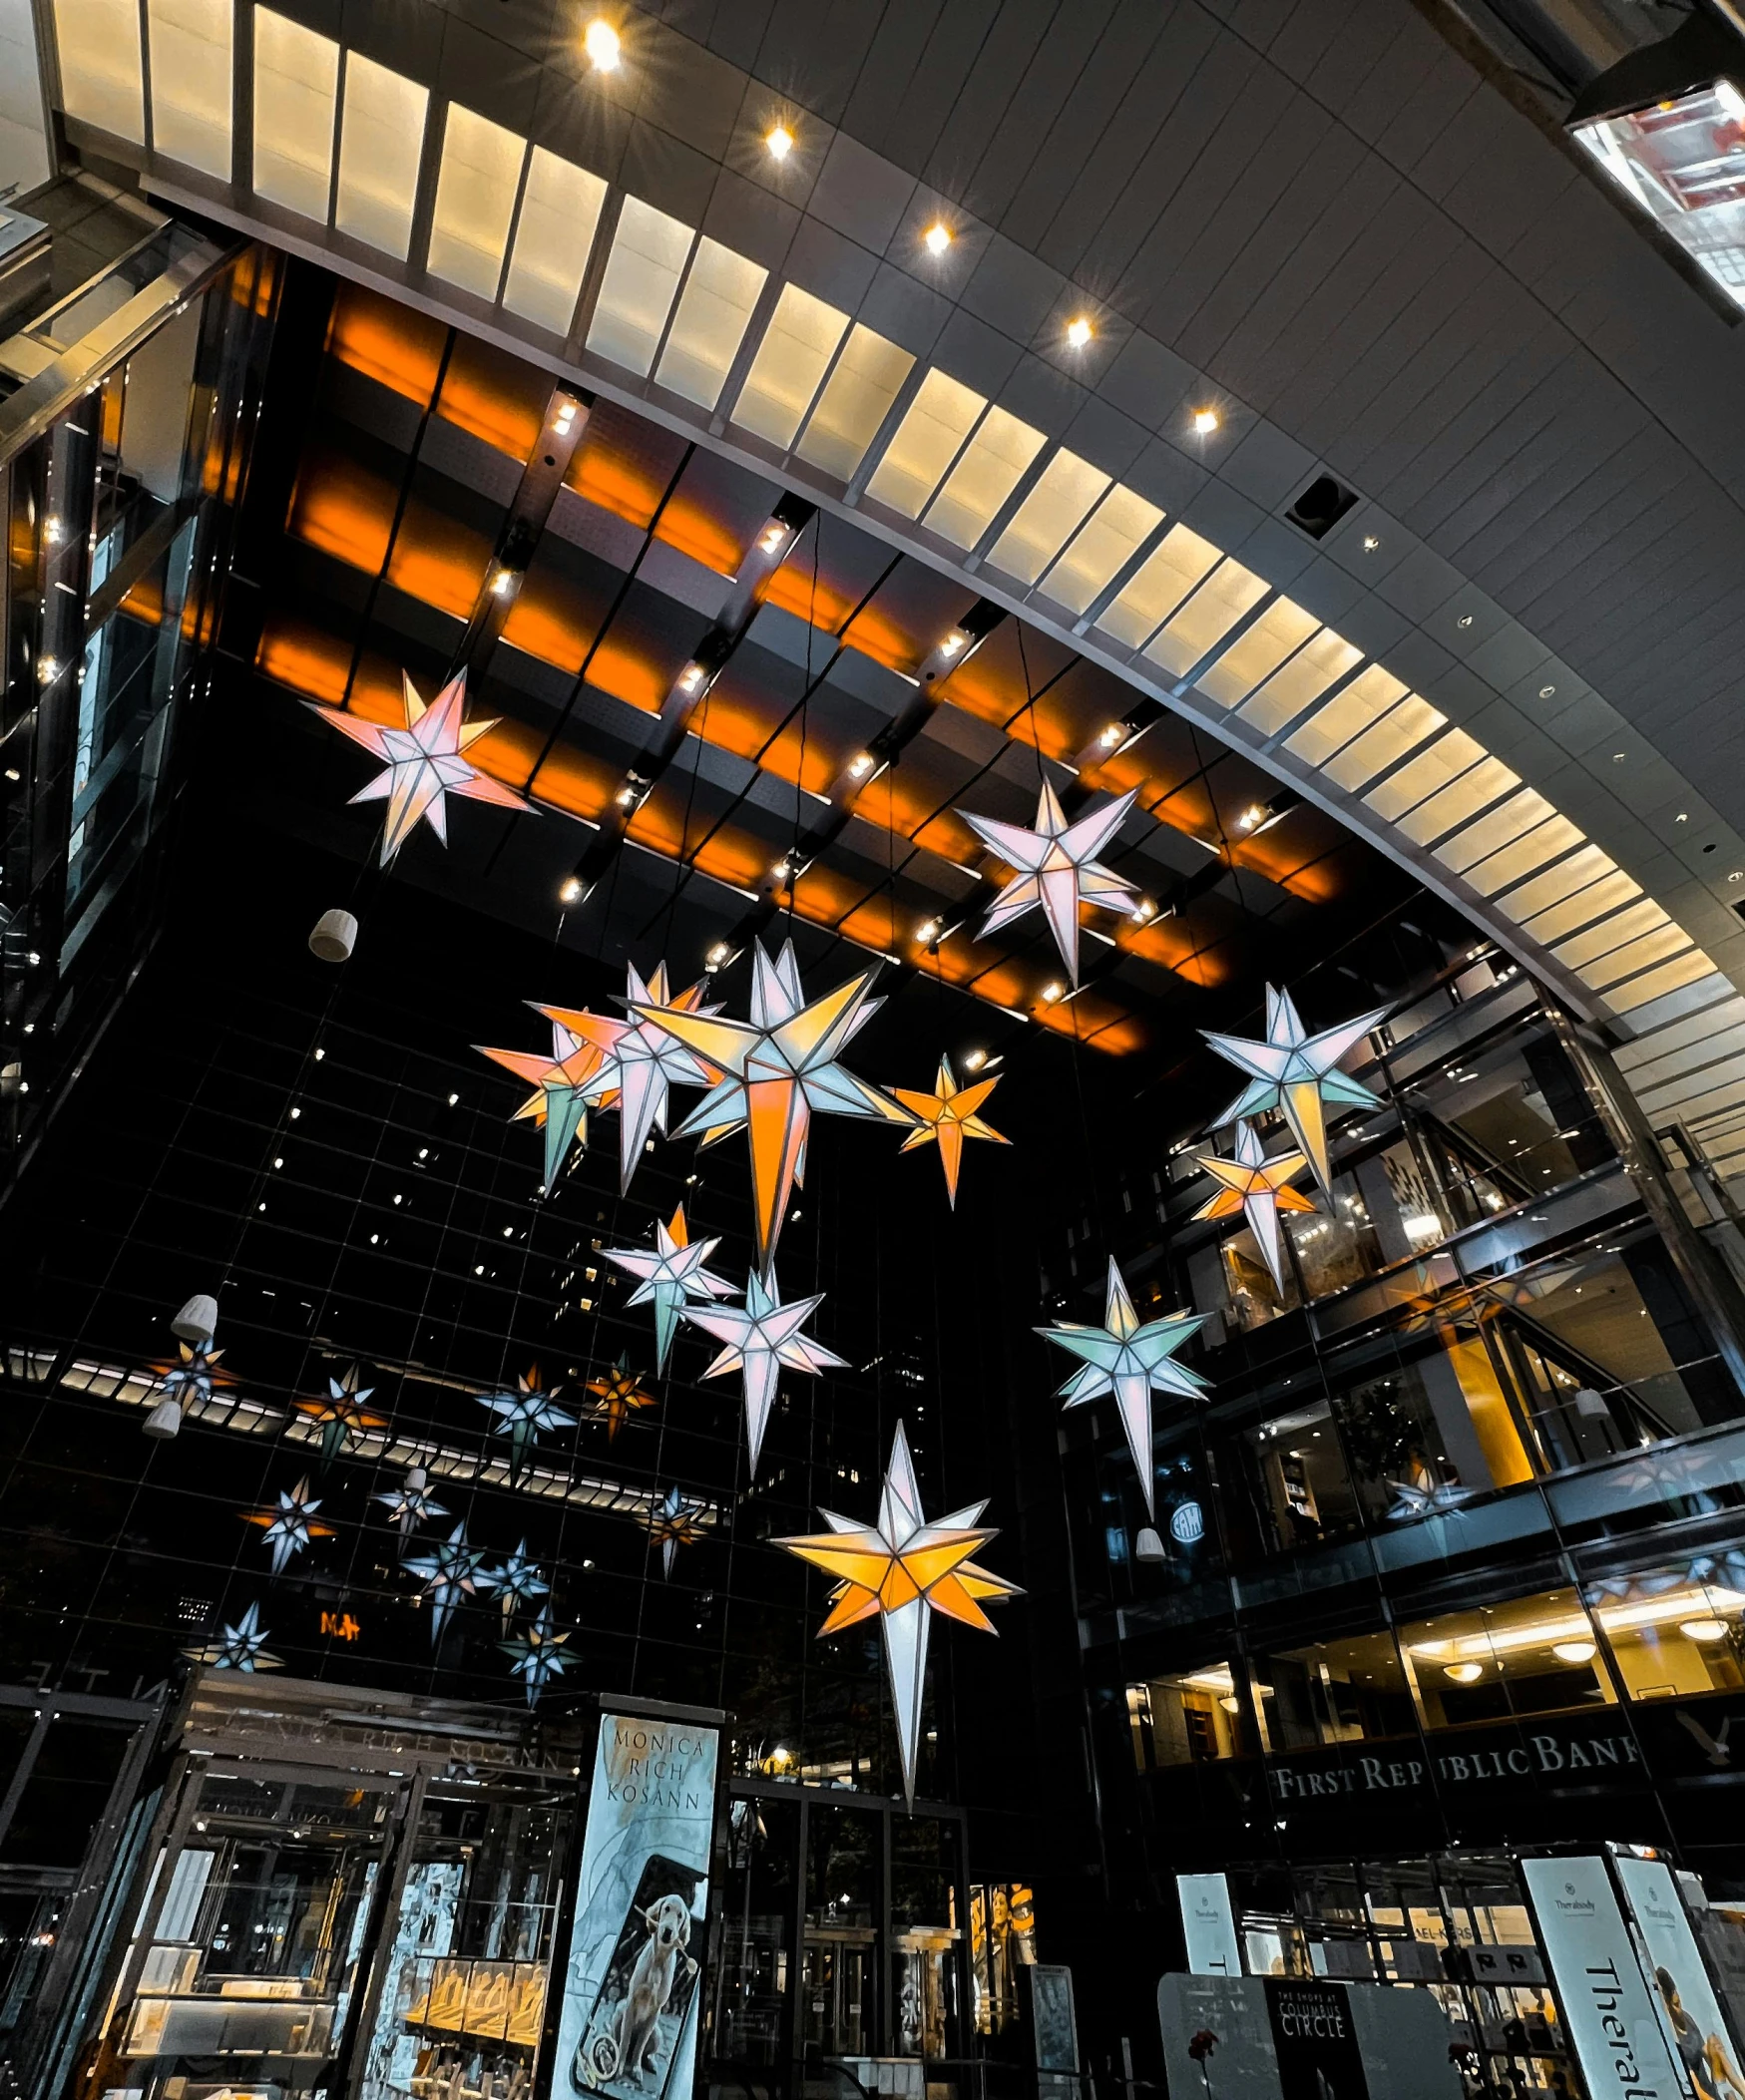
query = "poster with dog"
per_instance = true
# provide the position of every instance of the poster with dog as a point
(629, 2025)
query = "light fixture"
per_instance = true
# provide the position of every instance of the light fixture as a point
(1251, 816)
(928, 933)
(780, 142)
(1148, 1547)
(860, 765)
(953, 643)
(772, 539)
(1112, 734)
(627, 798)
(1683, 817)
(937, 237)
(1370, 542)
(691, 677)
(1615, 1618)
(570, 890)
(1572, 1651)
(334, 936)
(1145, 910)
(1054, 994)
(1079, 331)
(975, 1060)
(1618, 757)
(564, 418)
(717, 955)
(501, 583)
(1230, 1703)
(600, 41)
(47, 671)
(1464, 1672)
(1548, 693)
(52, 532)
(197, 1320)
(1705, 1630)
(163, 1421)
(1205, 421)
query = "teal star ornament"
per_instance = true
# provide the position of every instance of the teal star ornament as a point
(760, 1337)
(1298, 1075)
(514, 1581)
(1057, 867)
(239, 1647)
(288, 1525)
(411, 1504)
(668, 1277)
(522, 1414)
(1132, 1359)
(449, 1573)
(538, 1652)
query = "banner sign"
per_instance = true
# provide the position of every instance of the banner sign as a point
(633, 1981)
(1209, 1923)
(1699, 2036)
(1607, 2012)
(1315, 2040)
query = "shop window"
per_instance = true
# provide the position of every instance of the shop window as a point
(1297, 1479)
(751, 1979)
(1192, 1718)
(1415, 1435)
(1002, 1941)
(925, 1937)
(1533, 1655)
(1671, 1636)
(1347, 1691)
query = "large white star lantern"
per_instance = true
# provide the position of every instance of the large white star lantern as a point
(760, 1337)
(1298, 1075)
(1057, 867)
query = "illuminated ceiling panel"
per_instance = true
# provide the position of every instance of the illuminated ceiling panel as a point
(1632, 957)
(868, 376)
(1346, 716)
(1559, 880)
(1476, 789)
(1181, 562)
(296, 89)
(382, 141)
(1103, 545)
(560, 214)
(1227, 596)
(190, 82)
(1516, 817)
(1257, 652)
(1400, 730)
(1049, 516)
(987, 470)
(474, 201)
(1611, 934)
(714, 314)
(1590, 902)
(940, 417)
(1656, 983)
(101, 80)
(791, 360)
(1426, 775)
(1300, 682)
(640, 282)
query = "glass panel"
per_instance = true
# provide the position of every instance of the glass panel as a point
(1052, 510)
(1476, 789)
(1587, 904)
(1222, 599)
(1554, 836)
(381, 141)
(1365, 700)
(1656, 983)
(1671, 1636)
(1399, 732)
(1611, 933)
(640, 286)
(1162, 581)
(1612, 969)
(792, 359)
(1345, 1691)
(1678, 161)
(753, 1972)
(855, 403)
(1261, 648)
(296, 76)
(560, 212)
(713, 314)
(1533, 1655)
(1418, 778)
(1294, 685)
(927, 440)
(1519, 814)
(1121, 525)
(1191, 1718)
(475, 201)
(190, 82)
(984, 477)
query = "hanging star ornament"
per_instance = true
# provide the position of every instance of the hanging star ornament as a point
(1131, 1357)
(573, 1080)
(1256, 1186)
(947, 1117)
(426, 762)
(239, 1647)
(343, 1419)
(761, 1335)
(411, 1504)
(775, 1071)
(668, 1277)
(1298, 1075)
(1057, 867)
(522, 1415)
(449, 1573)
(901, 1570)
(640, 1059)
(288, 1525)
(538, 1652)
(514, 1582)
(673, 1522)
(193, 1376)
(618, 1392)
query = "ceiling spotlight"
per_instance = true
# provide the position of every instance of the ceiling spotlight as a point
(1078, 332)
(1738, 875)
(47, 671)
(1054, 994)
(927, 933)
(501, 581)
(1370, 542)
(564, 418)
(600, 41)
(1548, 693)
(717, 955)
(953, 643)
(860, 765)
(1464, 1672)
(1617, 757)
(1683, 817)
(1205, 421)
(1705, 1630)
(773, 538)
(780, 143)
(53, 531)
(1251, 816)
(975, 1060)
(1572, 1651)
(570, 890)
(1112, 735)
(691, 677)
(1145, 910)
(937, 237)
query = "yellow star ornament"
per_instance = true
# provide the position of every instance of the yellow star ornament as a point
(947, 1115)
(901, 1570)
(1255, 1185)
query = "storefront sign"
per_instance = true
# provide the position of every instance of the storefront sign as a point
(1209, 1925)
(1315, 2040)
(1607, 2012)
(1558, 1753)
(633, 1984)
(1700, 2039)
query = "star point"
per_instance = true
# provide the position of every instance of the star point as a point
(537, 1653)
(673, 1521)
(523, 1415)
(1056, 867)
(573, 1080)
(448, 1571)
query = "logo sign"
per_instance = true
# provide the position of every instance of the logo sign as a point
(1187, 1523)
(632, 1982)
(340, 1626)
(1312, 2033)
(1607, 2011)
(1691, 2014)
(1209, 1925)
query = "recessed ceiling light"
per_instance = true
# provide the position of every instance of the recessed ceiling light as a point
(1548, 693)
(1683, 817)
(780, 142)
(937, 237)
(571, 892)
(600, 41)
(1572, 1651)
(1702, 1629)
(1053, 994)
(1205, 421)
(1738, 875)
(975, 1060)
(1464, 621)
(1079, 331)
(1370, 542)
(1111, 735)
(1617, 757)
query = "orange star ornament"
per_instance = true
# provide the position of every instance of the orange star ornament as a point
(1255, 1185)
(947, 1117)
(617, 1393)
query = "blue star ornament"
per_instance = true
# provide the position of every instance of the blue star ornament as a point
(239, 1647)
(411, 1504)
(1298, 1075)
(760, 1337)
(537, 1654)
(449, 1573)
(514, 1581)
(1132, 1359)
(288, 1525)
(668, 1276)
(522, 1414)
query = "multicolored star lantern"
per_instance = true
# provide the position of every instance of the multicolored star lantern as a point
(1256, 1186)
(515, 1580)
(345, 1420)
(538, 1654)
(673, 1522)
(618, 1392)
(947, 1115)
(1131, 1357)
(239, 1647)
(1298, 1073)
(449, 1573)
(193, 1375)
(411, 1504)
(573, 1080)
(1057, 867)
(761, 1336)
(669, 1277)
(777, 1070)
(288, 1526)
(522, 1415)
(640, 1059)
(426, 762)
(901, 1570)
